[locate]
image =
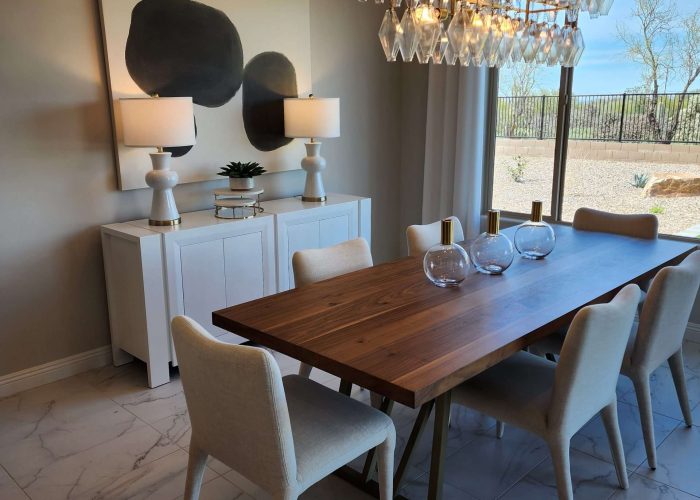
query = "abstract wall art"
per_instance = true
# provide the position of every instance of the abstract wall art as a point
(237, 59)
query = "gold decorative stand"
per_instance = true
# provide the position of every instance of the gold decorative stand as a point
(237, 204)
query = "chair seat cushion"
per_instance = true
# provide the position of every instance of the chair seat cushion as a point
(329, 428)
(553, 343)
(516, 391)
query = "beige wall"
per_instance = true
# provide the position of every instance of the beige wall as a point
(57, 178)
(596, 150)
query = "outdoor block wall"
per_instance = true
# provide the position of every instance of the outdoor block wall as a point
(594, 150)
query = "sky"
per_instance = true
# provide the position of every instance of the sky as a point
(604, 67)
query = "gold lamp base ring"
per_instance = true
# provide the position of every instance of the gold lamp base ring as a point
(313, 200)
(173, 222)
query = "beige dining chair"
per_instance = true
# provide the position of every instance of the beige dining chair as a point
(658, 339)
(643, 226)
(555, 400)
(421, 238)
(318, 264)
(283, 434)
(636, 225)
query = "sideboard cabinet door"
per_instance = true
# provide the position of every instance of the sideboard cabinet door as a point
(318, 227)
(219, 266)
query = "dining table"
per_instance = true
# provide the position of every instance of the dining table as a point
(388, 329)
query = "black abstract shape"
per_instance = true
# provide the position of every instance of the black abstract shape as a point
(178, 151)
(268, 78)
(182, 48)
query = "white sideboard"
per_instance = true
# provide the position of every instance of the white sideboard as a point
(206, 264)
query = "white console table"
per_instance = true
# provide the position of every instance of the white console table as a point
(205, 264)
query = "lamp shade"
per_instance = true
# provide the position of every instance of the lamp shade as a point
(158, 121)
(312, 117)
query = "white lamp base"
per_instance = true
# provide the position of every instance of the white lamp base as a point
(314, 164)
(163, 180)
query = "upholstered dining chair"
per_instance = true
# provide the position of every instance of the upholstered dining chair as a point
(283, 434)
(555, 400)
(658, 339)
(644, 226)
(636, 225)
(310, 266)
(421, 238)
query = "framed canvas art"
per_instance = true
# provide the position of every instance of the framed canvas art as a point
(237, 59)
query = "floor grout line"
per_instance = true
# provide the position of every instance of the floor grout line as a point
(524, 476)
(14, 481)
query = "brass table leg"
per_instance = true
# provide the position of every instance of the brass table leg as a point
(442, 417)
(345, 387)
(416, 433)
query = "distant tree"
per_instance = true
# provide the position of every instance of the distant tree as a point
(667, 44)
(521, 79)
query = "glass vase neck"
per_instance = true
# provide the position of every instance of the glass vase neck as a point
(446, 232)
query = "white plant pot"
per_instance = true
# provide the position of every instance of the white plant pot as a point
(238, 184)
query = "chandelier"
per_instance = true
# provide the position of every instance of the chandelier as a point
(489, 33)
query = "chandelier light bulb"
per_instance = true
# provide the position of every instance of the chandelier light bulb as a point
(487, 32)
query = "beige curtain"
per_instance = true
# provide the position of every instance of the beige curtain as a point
(455, 145)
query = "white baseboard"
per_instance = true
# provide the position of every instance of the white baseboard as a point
(55, 370)
(693, 332)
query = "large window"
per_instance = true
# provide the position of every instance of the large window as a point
(620, 133)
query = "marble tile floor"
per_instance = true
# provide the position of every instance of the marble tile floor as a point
(104, 435)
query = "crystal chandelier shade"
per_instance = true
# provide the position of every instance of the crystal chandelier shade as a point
(489, 33)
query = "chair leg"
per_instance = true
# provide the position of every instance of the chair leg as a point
(305, 370)
(375, 399)
(559, 448)
(675, 362)
(612, 428)
(500, 429)
(643, 391)
(385, 464)
(195, 472)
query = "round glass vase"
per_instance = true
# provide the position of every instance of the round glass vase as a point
(492, 252)
(535, 239)
(446, 264)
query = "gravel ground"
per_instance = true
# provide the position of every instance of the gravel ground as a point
(604, 185)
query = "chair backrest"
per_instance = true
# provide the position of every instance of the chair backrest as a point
(320, 264)
(237, 405)
(635, 225)
(665, 314)
(421, 238)
(590, 360)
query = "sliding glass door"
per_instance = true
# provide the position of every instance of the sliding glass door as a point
(620, 132)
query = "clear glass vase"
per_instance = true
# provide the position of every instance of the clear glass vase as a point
(446, 264)
(492, 252)
(535, 239)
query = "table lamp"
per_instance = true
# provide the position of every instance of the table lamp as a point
(159, 122)
(312, 118)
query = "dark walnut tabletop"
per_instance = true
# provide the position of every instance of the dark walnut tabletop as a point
(388, 329)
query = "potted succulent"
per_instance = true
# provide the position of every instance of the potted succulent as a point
(240, 175)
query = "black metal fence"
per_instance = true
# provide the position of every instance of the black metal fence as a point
(665, 118)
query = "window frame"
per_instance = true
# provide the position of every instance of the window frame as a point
(561, 143)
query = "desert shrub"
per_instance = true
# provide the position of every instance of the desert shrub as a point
(657, 209)
(640, 180)
(516, 169)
